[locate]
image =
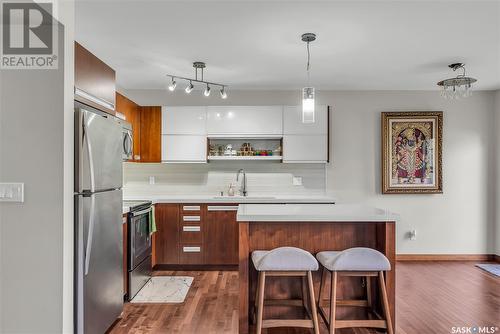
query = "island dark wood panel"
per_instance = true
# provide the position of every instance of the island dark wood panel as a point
(313, 237)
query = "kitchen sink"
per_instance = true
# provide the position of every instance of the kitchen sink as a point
(245, 197)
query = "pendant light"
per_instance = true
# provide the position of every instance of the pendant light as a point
(308, 94)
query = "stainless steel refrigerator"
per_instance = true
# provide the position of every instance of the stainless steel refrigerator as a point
(98, 220)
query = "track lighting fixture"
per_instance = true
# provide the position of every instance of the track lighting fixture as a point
(189, 88)
(198, 65)
(172, 85)
(207, 91)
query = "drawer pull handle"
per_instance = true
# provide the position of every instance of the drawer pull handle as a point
(191, 249)
(191, 229)
(222, 208)
(191, 218)
(191, 208)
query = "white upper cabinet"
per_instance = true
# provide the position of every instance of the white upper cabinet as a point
(245, 120)
(305, 148)
(184, 120)
(183, 148)
(292, 121)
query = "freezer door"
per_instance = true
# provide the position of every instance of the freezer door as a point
(99, 262)
(98, 152)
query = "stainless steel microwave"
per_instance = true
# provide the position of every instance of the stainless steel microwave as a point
(127, 141)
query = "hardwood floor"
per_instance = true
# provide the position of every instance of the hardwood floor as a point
(431, 297)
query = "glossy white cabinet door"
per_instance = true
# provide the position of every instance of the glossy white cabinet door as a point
(184, 120)
(292, 121)
(245, 120)
(305, 148)
(183, 148)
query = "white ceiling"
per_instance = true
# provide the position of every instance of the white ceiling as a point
(369, 45)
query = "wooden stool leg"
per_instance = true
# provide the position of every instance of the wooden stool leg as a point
(313, 303)
(256, 302)
(260, 300)
(333, 302)
(385, 302)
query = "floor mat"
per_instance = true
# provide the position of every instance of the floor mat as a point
(491, 268)
(164, 289)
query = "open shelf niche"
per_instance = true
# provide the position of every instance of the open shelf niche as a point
(265, 149)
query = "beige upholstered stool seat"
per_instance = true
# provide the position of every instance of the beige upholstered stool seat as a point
(284, 259)
(354, 259)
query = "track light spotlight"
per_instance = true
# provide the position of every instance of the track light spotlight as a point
(223, 93)
(172, 85)
(207, 91)
(189, 88)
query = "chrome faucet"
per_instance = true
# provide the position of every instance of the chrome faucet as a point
(243, 188)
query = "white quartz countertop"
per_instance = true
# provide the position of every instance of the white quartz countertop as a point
(313, 213)
(264, 199)
(125, 209)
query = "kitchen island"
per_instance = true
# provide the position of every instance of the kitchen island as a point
(315, 228)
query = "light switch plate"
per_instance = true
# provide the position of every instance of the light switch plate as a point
(297, 180)
(12, 192)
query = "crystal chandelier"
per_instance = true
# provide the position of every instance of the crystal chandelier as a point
(460, 86)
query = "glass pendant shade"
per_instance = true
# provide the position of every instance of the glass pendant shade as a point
(308, 105)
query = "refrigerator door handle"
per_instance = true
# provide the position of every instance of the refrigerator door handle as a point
(89, 150)
(88, 248)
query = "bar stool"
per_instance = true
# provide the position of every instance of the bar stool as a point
(284, 262)
(359, 261)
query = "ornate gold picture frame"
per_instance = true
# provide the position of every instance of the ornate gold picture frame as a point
(411, 152)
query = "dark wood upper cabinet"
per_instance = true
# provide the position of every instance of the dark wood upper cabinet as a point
(95, 80)
(150, 134)
(132, 113)
(221, 235)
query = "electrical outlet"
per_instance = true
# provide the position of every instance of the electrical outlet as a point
(413, 234)
(12, 192)
(152, 180)
(297, 180)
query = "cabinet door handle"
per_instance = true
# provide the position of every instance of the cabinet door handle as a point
(222, 208)
(191, 218)
(191, 249)
(191, 228)
(191, 208)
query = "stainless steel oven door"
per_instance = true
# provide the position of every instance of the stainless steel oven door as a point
(140, 239)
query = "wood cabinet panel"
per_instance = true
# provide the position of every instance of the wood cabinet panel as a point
(166, 239)
(150, 134)
(132, 112)
(94, 77)
(221, 235)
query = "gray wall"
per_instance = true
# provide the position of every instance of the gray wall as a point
(497, 167)
(460, 221)
(31, 233)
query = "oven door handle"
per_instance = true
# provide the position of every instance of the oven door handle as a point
(138, 213)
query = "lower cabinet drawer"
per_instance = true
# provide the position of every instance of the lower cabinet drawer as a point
(191, 254)
(191, 234)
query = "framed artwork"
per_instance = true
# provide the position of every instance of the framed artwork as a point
(411, 152)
